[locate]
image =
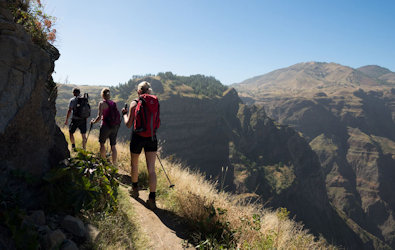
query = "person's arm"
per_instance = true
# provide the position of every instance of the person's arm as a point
(68, 116)
(128, 118)
(99, 113)
(71, 106)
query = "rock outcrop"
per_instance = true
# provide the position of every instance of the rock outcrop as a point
(197, 132)
(30, 141)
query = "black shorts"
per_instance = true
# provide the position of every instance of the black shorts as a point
(77, 123)
(108, 132)
(137, 143)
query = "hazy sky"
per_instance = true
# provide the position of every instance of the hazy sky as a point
(107, 42)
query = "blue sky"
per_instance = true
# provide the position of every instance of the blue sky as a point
(107, 42)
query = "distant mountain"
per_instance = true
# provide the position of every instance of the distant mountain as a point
(378, 72)
(311, 75)
(348, 117)
(374, 71)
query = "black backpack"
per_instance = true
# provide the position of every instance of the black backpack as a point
(82, 109)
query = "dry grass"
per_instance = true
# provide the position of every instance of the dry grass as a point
(250, 225)
(232, 222)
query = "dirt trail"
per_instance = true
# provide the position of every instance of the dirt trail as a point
(161, 236)
(163, 228)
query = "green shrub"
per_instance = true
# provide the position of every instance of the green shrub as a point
(30, 14)
(84, 182)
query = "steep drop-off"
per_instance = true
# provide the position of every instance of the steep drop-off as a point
(347, 116)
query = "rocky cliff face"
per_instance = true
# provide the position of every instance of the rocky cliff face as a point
(353, 135)
(30, 141)
(197, 132)
(286, 172)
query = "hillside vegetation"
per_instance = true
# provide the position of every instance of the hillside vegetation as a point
(216, 219)
(166, 84)
(240, 149)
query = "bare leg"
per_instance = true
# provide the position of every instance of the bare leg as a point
(150, 158)
(114, 154)
(102, 151)
(135, 168)
(84, 141)
(72, 138)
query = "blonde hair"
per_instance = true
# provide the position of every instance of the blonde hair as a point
(105, 93)
(144, 87)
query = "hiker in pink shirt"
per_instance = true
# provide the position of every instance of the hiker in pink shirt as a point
(110, 122)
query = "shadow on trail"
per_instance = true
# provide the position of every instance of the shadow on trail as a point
(124, 179)
(171, 220)
(175, 223)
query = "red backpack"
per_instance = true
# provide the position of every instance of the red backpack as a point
(146, 120)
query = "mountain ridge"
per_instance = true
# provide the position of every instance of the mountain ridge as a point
(350, 126)
(320, 75)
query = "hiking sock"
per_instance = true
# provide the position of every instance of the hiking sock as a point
(73, 145)
(134, 185)
(152, 195)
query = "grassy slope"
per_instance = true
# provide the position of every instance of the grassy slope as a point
(207, 210)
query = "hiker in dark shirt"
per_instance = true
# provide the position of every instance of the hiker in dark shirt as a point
(137, 143)
(109, 124)
(76, 122)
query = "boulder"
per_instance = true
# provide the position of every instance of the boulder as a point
(54, 239)
(36, 218)
(91, 232)
(74, 226)
(69, 245)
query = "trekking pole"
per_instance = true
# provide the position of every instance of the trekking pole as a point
(90, 128)
(171, 185)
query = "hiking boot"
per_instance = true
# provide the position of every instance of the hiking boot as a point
(151, 204)
(134, 192)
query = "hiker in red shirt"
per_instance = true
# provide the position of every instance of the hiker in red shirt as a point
(110, 122)
(144, 117)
